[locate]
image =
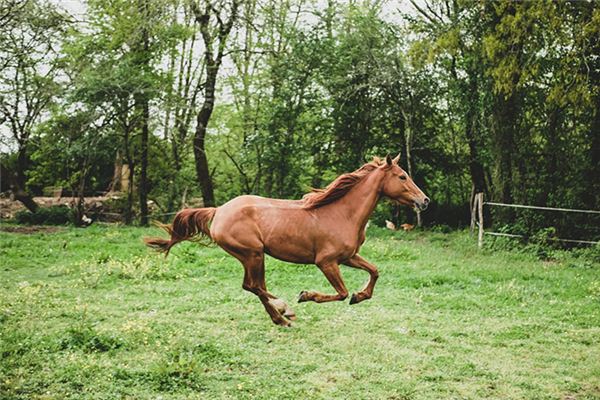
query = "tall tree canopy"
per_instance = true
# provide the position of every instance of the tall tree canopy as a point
(201, 101)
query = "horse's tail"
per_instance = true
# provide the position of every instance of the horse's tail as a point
(187, 224)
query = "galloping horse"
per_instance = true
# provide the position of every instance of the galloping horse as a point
(326, 228)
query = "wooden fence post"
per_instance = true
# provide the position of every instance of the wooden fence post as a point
(480, 212)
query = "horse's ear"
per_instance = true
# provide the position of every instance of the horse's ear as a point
(388, 160)
(397, 159)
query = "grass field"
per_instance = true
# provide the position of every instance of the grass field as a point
(91, 313)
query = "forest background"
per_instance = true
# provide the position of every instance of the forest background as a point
(196, 102)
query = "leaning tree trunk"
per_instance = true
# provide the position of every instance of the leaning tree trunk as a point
(202, 171)
(213, 63)
(17, 184)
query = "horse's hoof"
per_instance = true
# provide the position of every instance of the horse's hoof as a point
(279, 305)
(353, 299)
(301, 297)
(284, 324)
(290, 315)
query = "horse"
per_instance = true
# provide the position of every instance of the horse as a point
(326, 228)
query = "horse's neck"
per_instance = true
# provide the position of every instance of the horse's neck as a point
(358, 205)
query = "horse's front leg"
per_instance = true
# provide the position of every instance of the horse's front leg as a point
(357, 261)
(331, 270)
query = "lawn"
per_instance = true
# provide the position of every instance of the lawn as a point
(92, 313)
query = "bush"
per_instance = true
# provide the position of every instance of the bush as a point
(55, 215)
(116, 204)
(441, 228)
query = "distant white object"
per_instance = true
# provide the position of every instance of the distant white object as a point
(390, 225)
(85, 219)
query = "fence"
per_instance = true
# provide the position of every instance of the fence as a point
(477, 219)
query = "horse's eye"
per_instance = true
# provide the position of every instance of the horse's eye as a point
(403, 177)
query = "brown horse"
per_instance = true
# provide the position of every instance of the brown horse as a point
(326, 228)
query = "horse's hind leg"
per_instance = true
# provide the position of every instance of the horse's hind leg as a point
(254, 281)
(357, 261)
(331, 271)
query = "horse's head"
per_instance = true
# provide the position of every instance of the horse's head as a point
(398, 186)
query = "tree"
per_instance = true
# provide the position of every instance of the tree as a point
(142, 100)
(72, 150)
(29, 82)
(185, 72)
(453, 38)
(116, 73)
(211, 19)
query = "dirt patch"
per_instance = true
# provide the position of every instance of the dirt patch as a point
(28, 230)
(98, 207)
(9, 207)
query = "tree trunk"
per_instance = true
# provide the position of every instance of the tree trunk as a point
(213, 63)
(128, 212)
(144, 164)
(25, 198)
(80, 206)
(471, 122)
(142, 101)
(129, 204)
(591, 196)
(19, 180)
(408, 135)
(552, 149)
(115, 183)
(505, 115)
(202, 171)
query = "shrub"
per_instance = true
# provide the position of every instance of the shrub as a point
(441, 228)
(54, 215)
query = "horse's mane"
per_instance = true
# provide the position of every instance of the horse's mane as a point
(339, 187)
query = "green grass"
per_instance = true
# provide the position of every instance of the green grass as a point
(91, 313)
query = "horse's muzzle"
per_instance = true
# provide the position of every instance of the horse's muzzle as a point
(422, 204)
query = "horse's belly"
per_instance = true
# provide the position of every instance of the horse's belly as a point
(296, 256)
(291, 249)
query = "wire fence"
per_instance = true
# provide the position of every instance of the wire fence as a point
(477, 220)
(541, 208)
(149, 215)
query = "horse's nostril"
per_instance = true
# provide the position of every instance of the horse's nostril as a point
(426, 201)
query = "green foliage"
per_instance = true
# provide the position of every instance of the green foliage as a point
(499, 95)
(54, 215)
(69, 149)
